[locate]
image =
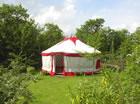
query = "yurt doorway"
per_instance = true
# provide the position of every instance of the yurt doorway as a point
(59, 64)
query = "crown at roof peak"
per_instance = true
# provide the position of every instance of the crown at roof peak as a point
(72, 38)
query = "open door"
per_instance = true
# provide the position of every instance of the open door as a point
(98, 64)
(59, 64)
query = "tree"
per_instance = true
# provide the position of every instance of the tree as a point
(89, 32)
(136, 36)
(50, 35)
(102, 38)
(129, 42)
(115, 39)
(18, 33)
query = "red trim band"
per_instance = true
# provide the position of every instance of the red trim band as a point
(69, 73)
(61, 53)
(88, 73)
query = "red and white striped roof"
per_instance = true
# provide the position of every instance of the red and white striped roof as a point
(70, 46)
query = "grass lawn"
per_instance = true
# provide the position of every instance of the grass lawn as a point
(55, 90)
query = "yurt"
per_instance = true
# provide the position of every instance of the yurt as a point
(65, 58)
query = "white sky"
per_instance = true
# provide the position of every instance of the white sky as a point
(70, 14)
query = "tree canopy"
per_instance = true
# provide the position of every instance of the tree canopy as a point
(50, 35)
(18, 33)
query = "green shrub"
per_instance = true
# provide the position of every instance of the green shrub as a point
(17, 64)
(111, 88)
(31, 70)
(14, 82)
(13, 87)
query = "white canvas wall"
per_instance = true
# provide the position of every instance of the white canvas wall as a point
(46, 63)
(79, 64)
(71, 64)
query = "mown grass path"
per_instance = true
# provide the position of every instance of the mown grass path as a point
(55, 90)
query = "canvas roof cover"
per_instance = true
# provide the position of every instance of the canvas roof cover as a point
(69, 46)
